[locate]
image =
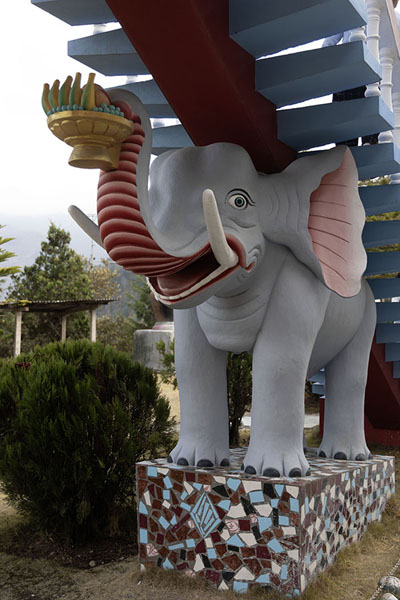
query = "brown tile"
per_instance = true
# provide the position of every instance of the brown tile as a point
(204, 478)
(233, 561)
(176, 475)
(244, 525)
(142, 473)
(160, 538)
(182, 566)
(182, 532)
(142, 484)
(253, 565)
(142, 550)
(266, 564)
(154, 526)
(173, 557)
(215, 536)
(190, 476)
(178, 487)
(220, 511)
(170, 536)
(262, 552)
(220, 549)
(191, 555)
(217, 565)
(214, 498)
(274, 579)
(143, 522)
(212, 576)
(157, 504)
(201, 547)
(248, 552)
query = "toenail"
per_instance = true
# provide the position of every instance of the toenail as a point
(340, 456)
(271, 472)
(182, 461)
(169, 459)
(224, 462)
(204, 462)
(295, 473)
(360, 457)
(250, 470)
(322, 454)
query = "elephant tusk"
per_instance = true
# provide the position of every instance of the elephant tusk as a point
(224, 254)
(86, 224)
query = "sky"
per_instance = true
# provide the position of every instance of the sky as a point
(36, 177)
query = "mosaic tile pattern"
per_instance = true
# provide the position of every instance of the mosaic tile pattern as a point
(239, 531)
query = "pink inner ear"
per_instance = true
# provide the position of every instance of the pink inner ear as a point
(335, 224)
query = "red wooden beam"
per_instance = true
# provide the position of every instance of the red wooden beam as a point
(206, 77)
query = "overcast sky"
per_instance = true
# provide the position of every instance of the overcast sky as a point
(36, 177)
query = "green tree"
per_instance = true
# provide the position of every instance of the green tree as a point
(6, 320)
(5, 255)
(103, 278)
(141, 304)
(58, 273)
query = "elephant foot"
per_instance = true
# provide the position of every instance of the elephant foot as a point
(341, 448)
(199, 454)
(271, 462)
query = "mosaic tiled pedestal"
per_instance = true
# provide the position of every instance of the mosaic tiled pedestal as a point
(240, 531)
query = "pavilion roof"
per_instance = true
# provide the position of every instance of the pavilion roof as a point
(60, 306)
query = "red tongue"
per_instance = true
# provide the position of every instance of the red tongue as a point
(188, 277)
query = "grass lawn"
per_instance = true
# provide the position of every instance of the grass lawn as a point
(354, 575)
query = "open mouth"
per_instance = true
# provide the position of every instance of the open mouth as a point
(198, 275)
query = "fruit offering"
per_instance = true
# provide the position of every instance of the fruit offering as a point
(70, 96)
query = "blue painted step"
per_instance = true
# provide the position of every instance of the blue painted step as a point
(381, 233)
(396, 370)
(322, 124)
(77, 12)
(110, 53)
(387, 312)
(376, 160)
(380, 263)
(318, 388)
(385, 287)
(318, 377)
(152, 97)
(292, 78)
(387, 332)
(379, 199)
(170, 138)
(392, 352)
(264, 27)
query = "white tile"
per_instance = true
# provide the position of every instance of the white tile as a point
(263, 509)
(218, 479)
(223, 587)
(275, 567)
(289, 531)
(188, 487)
(162, 470)
(248, 539)
(293, 554)
(147, 499)
(198, 565)
(236, 510)
(250, 486)
(209, 543)
(166, 504)
(292, 490)
(245, 574)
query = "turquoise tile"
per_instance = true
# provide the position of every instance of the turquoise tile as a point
(167, 482)
(294, 504)
(233, 483)
(283, 520)
(235, 541)
(263, 578)
(198, 486)
(211, 553)
(274, 502)
(173, 520)
(185, 507)
(152, 472)
(275, 546)
(284, 574)
(143, 538)
(166, 494)
(176, 546)
(306, 506)
(163, 522)
(184, 495)
(167, 564)
(190, 543)
(142, 508)
(256, 496)
(225, 504)
(264, 523)
(240, 586)
(279, 489)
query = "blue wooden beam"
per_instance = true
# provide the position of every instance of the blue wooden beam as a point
(150, 94)
(318, 377)
(78, 12)
(322, 124)
(392, 351)
(381, 263)
(387, 312)
(170, 138)
(317, 388)
(387, 332)
(396, 370)
(292, 78)
(376, 160)
(110, 53)
(379, 199)
(386, 287)
(263, 27)
(381, 233)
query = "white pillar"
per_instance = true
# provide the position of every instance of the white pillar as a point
(63, 328)
(358, 35)
(395, 178)
(99, 28)
(17, 332)
(374, 14)
(386, 56)
(92, 317)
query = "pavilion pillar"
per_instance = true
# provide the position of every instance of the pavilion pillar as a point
(63, 328)
(92, 318)
(17, 332)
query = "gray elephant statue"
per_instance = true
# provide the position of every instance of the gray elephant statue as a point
(268, 264)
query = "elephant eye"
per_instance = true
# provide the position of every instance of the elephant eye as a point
(239, 201)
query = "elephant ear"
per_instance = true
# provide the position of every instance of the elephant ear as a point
(316, 211)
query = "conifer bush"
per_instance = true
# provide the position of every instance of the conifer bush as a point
(74, 419)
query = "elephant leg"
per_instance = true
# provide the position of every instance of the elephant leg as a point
(346, 377)
(201, 375)
(280, 360)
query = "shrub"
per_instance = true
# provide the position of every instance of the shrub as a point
(74, 419)
(239, 383)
